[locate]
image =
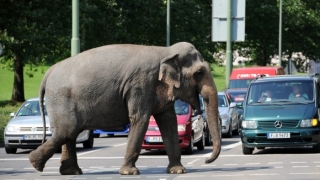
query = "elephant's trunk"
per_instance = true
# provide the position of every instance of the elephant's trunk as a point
(210, 95)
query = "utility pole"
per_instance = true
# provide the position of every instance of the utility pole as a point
(75, 41)
(280, 32)
(168, 22)
(229, 43)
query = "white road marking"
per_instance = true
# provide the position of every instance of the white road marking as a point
(264, 174)
(101, 149)
(209, 165)
(300, 166)
(251, 163)
(193, 161)
(302, 173)
(230, 164)
(224, 148)
(6, 169)
(275, 162)
(278, 167)
(298, 162)
(223, 175)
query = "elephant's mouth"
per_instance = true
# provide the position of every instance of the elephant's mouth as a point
(197, 103)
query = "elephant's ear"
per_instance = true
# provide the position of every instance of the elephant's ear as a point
(170, 70)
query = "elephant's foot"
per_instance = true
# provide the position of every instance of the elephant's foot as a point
(126, 170)
(70, 171)
(36, 160)
(178, 169)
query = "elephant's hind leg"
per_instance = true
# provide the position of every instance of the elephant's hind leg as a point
(69, 164)
(40, 156)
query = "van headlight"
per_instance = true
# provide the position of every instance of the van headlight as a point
(13, 129)
(181, 127)
(309, 122)
(249, 124)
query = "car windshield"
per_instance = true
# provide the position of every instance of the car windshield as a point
(239, 83)
(295, 91)
(181, 107)
(237, 96)
(30, 108)
(222, 101)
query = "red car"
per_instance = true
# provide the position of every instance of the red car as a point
(190, 130)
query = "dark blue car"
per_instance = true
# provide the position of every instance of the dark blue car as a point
(123, 131)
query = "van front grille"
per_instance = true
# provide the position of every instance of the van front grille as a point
(285, 124)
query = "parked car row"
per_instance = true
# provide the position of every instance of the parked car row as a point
(25, 129)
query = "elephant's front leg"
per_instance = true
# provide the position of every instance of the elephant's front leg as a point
(167, 123)
(135, 138)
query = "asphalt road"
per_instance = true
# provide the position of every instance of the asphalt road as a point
(104, 160)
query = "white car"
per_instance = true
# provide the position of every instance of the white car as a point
(25, 129)
(229, 115)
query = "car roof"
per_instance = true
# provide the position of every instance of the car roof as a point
(237, 90)
(284, 77)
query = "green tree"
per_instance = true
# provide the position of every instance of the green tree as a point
(32, 31)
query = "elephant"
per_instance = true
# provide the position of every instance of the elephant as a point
(110, 86)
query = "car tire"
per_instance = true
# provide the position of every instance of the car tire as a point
(246, 150)
(236, 131)
(96, 135)
(11, 150)
(201, 143)
(229, 133)
(208, 139)
(260, 148)
(316, 148)
(110, 135)
(89, 143)
(189, 149)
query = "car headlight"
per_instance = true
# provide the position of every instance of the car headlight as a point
(181, 127)
(309, 122)
(224, 117)
(13, 129)
(249, 124)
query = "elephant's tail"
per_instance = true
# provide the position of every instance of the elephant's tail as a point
(41, 102)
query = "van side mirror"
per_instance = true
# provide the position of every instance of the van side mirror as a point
(196, 112)
(233, 104)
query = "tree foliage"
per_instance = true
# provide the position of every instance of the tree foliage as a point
(39, 31)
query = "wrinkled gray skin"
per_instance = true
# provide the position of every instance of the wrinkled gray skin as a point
(110, 86)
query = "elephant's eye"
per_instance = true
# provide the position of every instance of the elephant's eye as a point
(198, 75)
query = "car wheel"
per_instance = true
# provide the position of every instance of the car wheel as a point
(246, 150)
(201, 143)
(89, 143)
(229, 133)
(110, 135)
(189, 149)
(208, 139)
(316, 148)
(96, 135)
(11, 150)
(236, 131)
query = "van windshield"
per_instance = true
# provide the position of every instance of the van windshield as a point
(294, 91)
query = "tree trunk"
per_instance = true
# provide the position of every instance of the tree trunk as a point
(18, 82)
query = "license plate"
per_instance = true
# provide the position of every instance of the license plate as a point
(278, 135)
(33, 136)
(154, 139)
